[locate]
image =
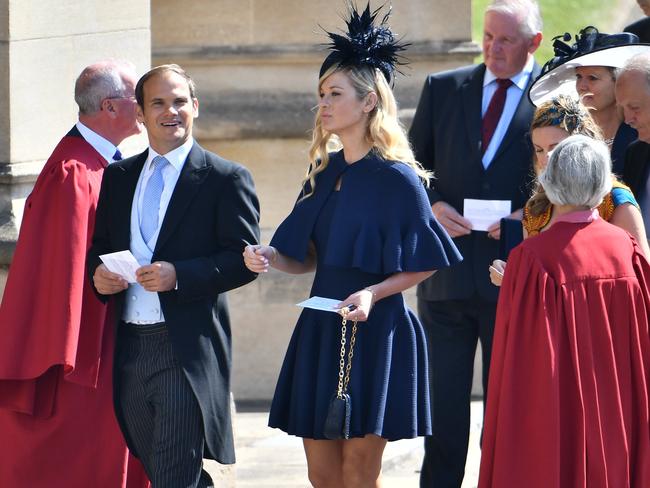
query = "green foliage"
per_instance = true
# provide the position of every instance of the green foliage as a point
(559, 16)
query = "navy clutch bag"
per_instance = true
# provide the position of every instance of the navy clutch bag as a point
(337, 423)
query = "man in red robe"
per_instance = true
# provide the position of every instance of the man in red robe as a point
(57, 423)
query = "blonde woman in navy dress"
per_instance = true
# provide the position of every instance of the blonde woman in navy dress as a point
(364, 223)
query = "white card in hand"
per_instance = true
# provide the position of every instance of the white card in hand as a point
(483, 213)
(320, 303)
(122, 263)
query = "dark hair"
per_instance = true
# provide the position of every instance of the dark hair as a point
(569, 115)
(174, 68)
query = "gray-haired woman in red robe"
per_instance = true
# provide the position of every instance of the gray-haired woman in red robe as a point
(568, 404)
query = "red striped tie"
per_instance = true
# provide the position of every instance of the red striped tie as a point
(493, 113)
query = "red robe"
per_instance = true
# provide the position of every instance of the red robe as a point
(568, 388)
(57, 423)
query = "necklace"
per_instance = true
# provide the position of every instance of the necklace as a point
(609, 141)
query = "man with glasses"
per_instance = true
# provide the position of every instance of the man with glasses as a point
(56, 354)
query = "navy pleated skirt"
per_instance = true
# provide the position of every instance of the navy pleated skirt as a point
(389, 386)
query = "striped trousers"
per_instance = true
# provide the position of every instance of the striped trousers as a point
(162, 416)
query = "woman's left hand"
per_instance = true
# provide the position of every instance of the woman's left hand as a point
(362, 301)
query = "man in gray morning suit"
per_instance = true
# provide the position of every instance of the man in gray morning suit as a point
(470, 129)
(186, 215)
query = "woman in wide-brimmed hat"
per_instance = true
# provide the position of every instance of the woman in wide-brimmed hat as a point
(587, 69)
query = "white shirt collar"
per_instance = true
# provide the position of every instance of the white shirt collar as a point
(520, 79)
(101, 145)
(175, 157)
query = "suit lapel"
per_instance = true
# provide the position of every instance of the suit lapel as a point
(189, 181)
(472, 94)
(520, 122)
(128, 181)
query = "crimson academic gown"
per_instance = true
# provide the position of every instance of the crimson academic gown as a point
(568, 401)
(57, 423)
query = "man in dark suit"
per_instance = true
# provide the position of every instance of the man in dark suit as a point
(471, 129)
(633, 95)
(641, 27)
(186, 215)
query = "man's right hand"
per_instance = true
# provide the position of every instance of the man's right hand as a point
(108, 283)
(454, 223)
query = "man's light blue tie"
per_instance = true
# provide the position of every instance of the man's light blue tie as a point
(151, 199)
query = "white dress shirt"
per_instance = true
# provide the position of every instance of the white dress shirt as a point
(170, 174)
(142, 306)
(513, 97)
(102, 146)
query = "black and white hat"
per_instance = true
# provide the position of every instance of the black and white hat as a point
(591, 48)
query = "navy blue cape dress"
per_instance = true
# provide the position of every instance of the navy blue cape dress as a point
(378, 223)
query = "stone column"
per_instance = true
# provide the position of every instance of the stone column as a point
(256, 66)
(44, 46)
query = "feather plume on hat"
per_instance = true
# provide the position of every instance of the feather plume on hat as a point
(366, 43)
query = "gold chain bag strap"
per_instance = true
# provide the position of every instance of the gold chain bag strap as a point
(337, 423)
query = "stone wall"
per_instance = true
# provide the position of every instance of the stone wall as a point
(44, 45)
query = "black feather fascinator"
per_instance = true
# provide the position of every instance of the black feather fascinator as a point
(366, 43)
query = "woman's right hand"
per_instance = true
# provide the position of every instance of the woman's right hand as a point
(497, 269)
(258, 258)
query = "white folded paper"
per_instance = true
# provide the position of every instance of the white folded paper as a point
(483, 213)
(320, 303)
(123, 263)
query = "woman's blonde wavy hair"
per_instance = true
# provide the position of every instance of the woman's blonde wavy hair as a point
(568, 114)
(384, 132)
